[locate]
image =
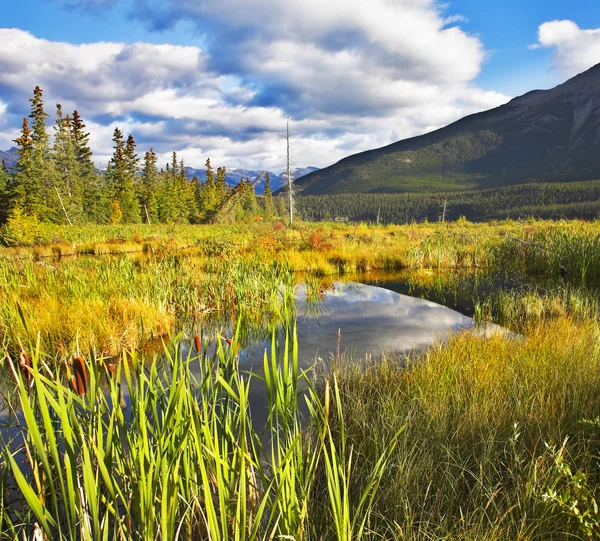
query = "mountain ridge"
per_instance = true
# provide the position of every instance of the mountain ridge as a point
(543, 135)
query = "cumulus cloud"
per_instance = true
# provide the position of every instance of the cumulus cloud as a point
(350, 79)
(575, 49)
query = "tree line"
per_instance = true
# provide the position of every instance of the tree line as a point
(56, 181)
(537, 200)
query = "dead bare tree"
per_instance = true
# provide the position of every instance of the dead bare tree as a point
(290, 187)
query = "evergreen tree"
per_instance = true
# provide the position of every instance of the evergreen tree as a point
(43, 168)
(220, 186)
(29, 191)
(281, 206)
(167, 199)
(249, 203)
(268, 198)
(207, 192)
(189, 211)
(131, 159)
(95, 200)
(69, 185)
(149, 188)
(122, 186)
(174, 168)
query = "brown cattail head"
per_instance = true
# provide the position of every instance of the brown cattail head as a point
(25, 365)
(197, 343)
(79, 379)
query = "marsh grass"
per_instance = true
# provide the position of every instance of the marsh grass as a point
(183, 459)
(472, 462)
(108, 304)
(470, 442)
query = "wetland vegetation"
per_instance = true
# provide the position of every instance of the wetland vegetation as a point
(481, 437)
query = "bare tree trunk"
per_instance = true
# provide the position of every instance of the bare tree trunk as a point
(289, 175)
(62, 205)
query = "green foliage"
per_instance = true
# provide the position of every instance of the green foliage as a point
(269, 204)
(22, 229)
(573, 495)
(122, 177)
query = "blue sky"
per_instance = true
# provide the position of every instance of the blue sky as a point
(218, 78)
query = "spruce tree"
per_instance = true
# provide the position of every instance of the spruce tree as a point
(120, 178)
(220, 186)
(29, 191)
(95, 200)
(149, 188)
(188, 208)
(69, 185)
(249, 203)
(167, 200)
(43, 168)
(208, 192)
(268, 199)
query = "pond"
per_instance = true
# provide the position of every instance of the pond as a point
(361, 320)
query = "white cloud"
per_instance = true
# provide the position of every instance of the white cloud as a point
(575, 49)
(351, 79)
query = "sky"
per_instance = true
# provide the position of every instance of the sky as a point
(218, 78)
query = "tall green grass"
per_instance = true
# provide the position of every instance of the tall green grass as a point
(183, 459)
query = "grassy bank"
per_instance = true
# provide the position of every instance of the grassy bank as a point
(112, 304)
(186, 274)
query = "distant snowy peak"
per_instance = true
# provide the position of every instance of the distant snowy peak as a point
(234, 175)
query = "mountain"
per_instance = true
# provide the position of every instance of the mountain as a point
(10, 158)
(544, 135)
(233, 177)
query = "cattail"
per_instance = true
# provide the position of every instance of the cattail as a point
(197, 344)
(111, 367)
(25, 365)
(79, 378)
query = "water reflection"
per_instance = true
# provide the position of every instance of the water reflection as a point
(371, 320)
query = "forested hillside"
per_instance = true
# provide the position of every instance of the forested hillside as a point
(540, 200)
(543, 136)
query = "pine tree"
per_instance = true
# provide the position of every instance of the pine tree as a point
(207, 192)
(29, 191)
(268, 199)
(167, 198)
(69, 185)
(95, 200)
(121, 181)
(149, 188)
(220, 186)
(189, 212)
(44, 206)
(249, 203)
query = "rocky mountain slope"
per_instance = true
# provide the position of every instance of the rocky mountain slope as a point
(544, 135)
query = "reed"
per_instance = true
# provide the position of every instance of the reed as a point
(183, 459)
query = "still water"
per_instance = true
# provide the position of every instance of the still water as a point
(370, 320)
